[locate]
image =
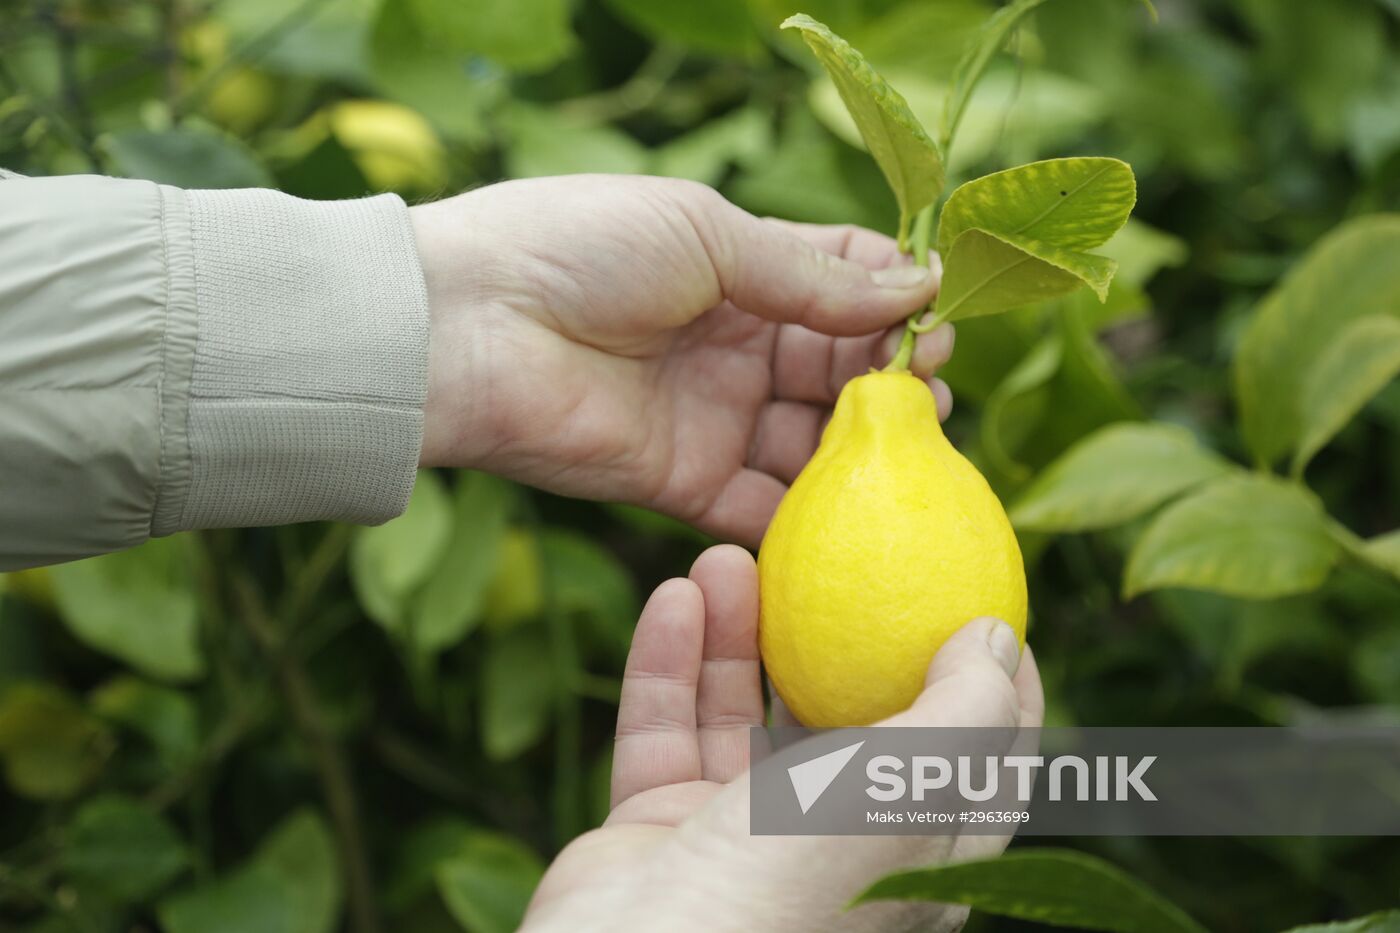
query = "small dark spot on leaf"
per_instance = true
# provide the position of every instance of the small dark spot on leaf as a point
(1062, 194)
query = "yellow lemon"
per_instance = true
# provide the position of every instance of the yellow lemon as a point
(888, 542)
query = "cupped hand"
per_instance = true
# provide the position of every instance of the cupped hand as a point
(676, 853)
(643, 340)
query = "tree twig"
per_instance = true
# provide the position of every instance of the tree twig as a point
(332, 770)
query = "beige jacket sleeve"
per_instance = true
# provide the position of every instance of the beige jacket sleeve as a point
(172, 360)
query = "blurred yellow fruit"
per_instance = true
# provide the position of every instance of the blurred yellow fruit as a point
(888, 542)
(395, 147)
(516, 592)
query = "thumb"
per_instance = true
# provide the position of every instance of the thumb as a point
(969, 682)
(769, 271)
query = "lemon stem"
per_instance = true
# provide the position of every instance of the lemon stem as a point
(923, 226)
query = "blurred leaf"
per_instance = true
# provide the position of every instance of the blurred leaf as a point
(815, 178)
(1018, 236)
(453, 94)
(1142, 251)
(1346, 276)
(185, 158)
(524, 35)
(1250, 536)
(704, 154)
(488, 885)
(585, 579)
(518, 686)
(1035, 370)
(1373, 123)
(916, 37)
(546, 142)
(1326, 54)
(419, 851)
(51, 746)
(516, 592)
(327, 44)
(394, 147)
(988, 41)
(1113, 476)
(1357, 363)
(390, 562)
(1057, 887)
(1386, 921)
(720, 27)
(907, 157)
(1376, 664)
(452, 602)
(122, 848)
(137, 605)
(164, 716)
(290, 885)
(1382, 552)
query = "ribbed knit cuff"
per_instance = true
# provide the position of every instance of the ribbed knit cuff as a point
(310, 364)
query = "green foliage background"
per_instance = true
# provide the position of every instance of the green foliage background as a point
(217, 732)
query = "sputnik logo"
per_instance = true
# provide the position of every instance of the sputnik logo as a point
(811, 778)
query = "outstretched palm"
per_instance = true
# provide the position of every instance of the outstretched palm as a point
(676, 852)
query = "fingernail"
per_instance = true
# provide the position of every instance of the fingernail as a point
(1001, 640)
(900, 277)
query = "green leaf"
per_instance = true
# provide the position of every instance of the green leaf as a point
(452, 601)
(1019, 236)
(51, 746)
(137, 605)
(703, 154)
(122, 848)
(164, 716)
(1250, 536)
(586, 580)
(1113, 476)
(1142, 251)
(488, 885)
(405, 66)
(523, 35)
(547, 142)
(327, 44)
(974, 62)
(389, 563)
(1385, 921)
(1375, 663)
(185, 158)
(517, 691)
(290, 885)
(720, 27)
(1348, 275)
(1034, 371)
(1057, 887)
(985, 274)
(907, 157)
(1362, 359)
(1383, 552)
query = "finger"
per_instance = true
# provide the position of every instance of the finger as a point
(969, 680)
(931, 350)
(786, 436)
(812, 367)
(770, 271)
(858, 244)
(942, 397)
(743, 508)
(729, 700)
(656, 739)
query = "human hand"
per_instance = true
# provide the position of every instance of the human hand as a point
(676, 853)
(642, 340)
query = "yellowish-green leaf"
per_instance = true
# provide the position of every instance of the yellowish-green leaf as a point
(903, 150)
(51, 747)
(1036, 369)
(1019, 236)
(975, 60)
(1348, 275)
(987, 274)
(1072, 204)
(488, 883)
(1386, 921)
(1251, 536)
(1355, 366)
(390, 562)
(1115, 475)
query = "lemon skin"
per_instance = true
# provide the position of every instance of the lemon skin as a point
(887, 543)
